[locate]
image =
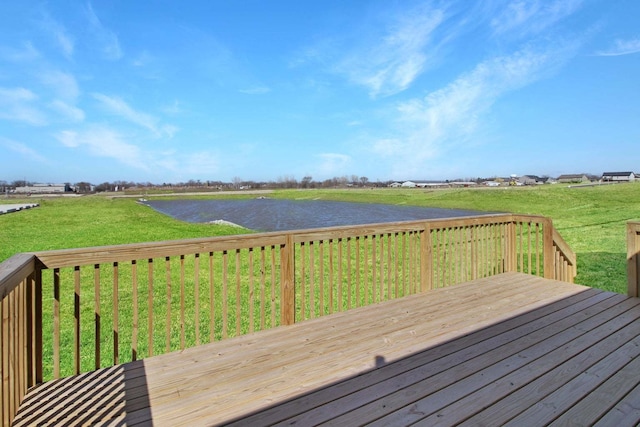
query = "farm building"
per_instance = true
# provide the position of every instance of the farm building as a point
(531, 180)
(44, 189)
(618, 177)
(571, 178)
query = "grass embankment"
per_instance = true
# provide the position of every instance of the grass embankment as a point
(77, 222)
(591, 219)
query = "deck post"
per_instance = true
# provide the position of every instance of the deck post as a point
(633, 258)
(34, 329)
(510, 244)
(287, 287)
(426, 259)
(547, 249)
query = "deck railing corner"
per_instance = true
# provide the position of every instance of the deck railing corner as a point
(633, 258)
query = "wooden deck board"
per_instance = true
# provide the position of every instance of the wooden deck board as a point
(511, 347)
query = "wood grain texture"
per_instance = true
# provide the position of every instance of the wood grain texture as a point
(511, 348)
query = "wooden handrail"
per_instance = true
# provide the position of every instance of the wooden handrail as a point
(108, 305)
(633, 258)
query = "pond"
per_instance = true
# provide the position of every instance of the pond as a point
(263, 214)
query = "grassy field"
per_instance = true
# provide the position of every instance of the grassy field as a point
(591, 219)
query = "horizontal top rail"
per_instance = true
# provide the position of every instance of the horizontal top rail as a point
(119, 253)
(14, 270)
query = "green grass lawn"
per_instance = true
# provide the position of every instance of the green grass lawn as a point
(591, 219)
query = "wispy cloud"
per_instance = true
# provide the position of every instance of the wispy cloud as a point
(622, 47)
(59, 34)
(67, 111)
(64, 84)
(386, 56)
(107, 39)
(332, 164)
(16, 104)
(25, 53)
(200, 163)
(102, 141)
(120, 108)
(533, 16)
(23, 149)
(256, 90)
(447, 118)
(388, 62)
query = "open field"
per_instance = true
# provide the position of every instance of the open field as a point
(591, 219)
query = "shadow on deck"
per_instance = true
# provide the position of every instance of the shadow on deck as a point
(509, 349)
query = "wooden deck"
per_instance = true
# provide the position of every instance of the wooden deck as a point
(509, 349)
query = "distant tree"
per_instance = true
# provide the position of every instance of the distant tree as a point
(287, 181)
(83, 187)
(364, 181)
(306, 181)
(105, 186)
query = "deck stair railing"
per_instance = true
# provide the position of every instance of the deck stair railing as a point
(70, 311)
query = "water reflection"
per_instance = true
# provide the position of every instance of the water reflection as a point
(265, 214)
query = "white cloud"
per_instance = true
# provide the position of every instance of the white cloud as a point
(143, 59)
(332, 164)
(17, 105)
(172, 109)
(101, 141)
(26, 53)
(120, 108)
(533, 16)
(390, 61)
(27, 152)
(60, 36)
(107, 39)
(449, 117)
(18, 94)
(622, 47)
(256, 90)
(67, 111)
(63, 84)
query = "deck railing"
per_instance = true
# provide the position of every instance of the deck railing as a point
(70, 311)
(633, 258)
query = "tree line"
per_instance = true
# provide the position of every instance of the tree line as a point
(286, 182)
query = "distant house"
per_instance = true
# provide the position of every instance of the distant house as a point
(395, 185)
(531, 180)
(573, 178)
(618, 177)
(409, 184)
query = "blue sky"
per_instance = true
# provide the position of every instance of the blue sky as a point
(168, 91)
